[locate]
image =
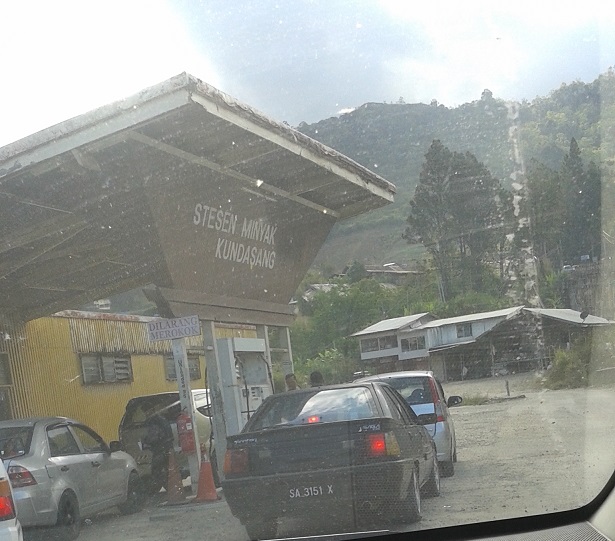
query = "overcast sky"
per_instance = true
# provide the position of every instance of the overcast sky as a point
(294, 60)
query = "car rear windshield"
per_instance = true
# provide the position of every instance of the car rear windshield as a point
(320, 406)
(415, 390)
(140, 409)
(15, 441)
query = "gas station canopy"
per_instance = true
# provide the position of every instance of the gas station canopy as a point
(180, 186)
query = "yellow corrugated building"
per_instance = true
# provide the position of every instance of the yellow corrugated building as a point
(88, 365)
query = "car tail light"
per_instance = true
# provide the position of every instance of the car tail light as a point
(380, 444)
(20, 477)
(436, 401)
(7, 507)
(235, 461)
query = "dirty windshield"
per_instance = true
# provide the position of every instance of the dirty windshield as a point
(263, 202)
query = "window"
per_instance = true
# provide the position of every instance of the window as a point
(399, 407)
(376, 344)
(413, 343)
(194, 365)
(387, 342)
(369, 344)
(464, 330)
(90, 441)
(100, 368)
(61, 441)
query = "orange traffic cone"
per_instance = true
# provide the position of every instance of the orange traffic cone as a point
(175, 487)
(206, 491)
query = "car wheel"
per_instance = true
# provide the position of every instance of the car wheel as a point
(263, 529)
(447, 468)
(410, 510)
(68, 524)
(135, 497)
(431, 488)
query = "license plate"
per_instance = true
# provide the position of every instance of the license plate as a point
(311, 492)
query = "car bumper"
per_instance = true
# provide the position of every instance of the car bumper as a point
(10, 530)
(341, 495)
(35, 507)
(442, 439)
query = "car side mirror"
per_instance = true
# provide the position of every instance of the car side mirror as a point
(427, 418)
(115, 446)
(454, 401)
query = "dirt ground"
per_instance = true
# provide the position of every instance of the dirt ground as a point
(547, 451)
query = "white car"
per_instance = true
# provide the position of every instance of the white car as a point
(10, 527)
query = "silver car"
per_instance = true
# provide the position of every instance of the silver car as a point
(424, 394)
(62, 471)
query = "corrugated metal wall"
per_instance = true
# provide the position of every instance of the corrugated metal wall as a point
(46, 370)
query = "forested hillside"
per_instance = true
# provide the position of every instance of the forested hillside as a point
(392, 139)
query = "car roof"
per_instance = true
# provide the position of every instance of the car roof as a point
(404, 374)
(331, 387)
(31, 421)
(200, 401)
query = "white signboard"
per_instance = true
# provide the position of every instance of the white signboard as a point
(176, 330)
(171, 329)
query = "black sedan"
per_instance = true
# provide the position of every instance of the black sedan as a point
(342, 457)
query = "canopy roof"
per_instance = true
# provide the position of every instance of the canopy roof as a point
(155, 188)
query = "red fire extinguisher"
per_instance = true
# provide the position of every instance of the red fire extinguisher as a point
(185, 432)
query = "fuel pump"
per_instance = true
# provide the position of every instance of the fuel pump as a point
(245, 379)
(241, 382)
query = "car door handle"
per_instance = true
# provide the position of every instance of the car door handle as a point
(95, 463)
(64, 468)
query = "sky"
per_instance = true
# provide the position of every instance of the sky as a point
(294, 60)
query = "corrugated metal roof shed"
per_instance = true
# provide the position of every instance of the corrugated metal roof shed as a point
(506, 313)
(570, 316)
(393, 324)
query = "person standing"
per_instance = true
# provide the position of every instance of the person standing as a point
(316, 379)
(291, 382)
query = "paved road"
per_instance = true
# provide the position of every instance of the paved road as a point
(549, 451)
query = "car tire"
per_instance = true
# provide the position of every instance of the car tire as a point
(410, 506)
(262, 529)
(135, 496)
(431, 488)
(68, 524)
(447, 468)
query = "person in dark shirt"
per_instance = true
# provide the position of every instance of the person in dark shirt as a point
(316, 379)
(159, 440)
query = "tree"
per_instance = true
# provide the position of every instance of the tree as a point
(572, 179)
(581, 189)
(458, 214)
(356, 272)
(546, 208)
(430, 220)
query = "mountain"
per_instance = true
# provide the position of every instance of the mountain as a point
(392, 139)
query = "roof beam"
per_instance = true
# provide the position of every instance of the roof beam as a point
(204, 162)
